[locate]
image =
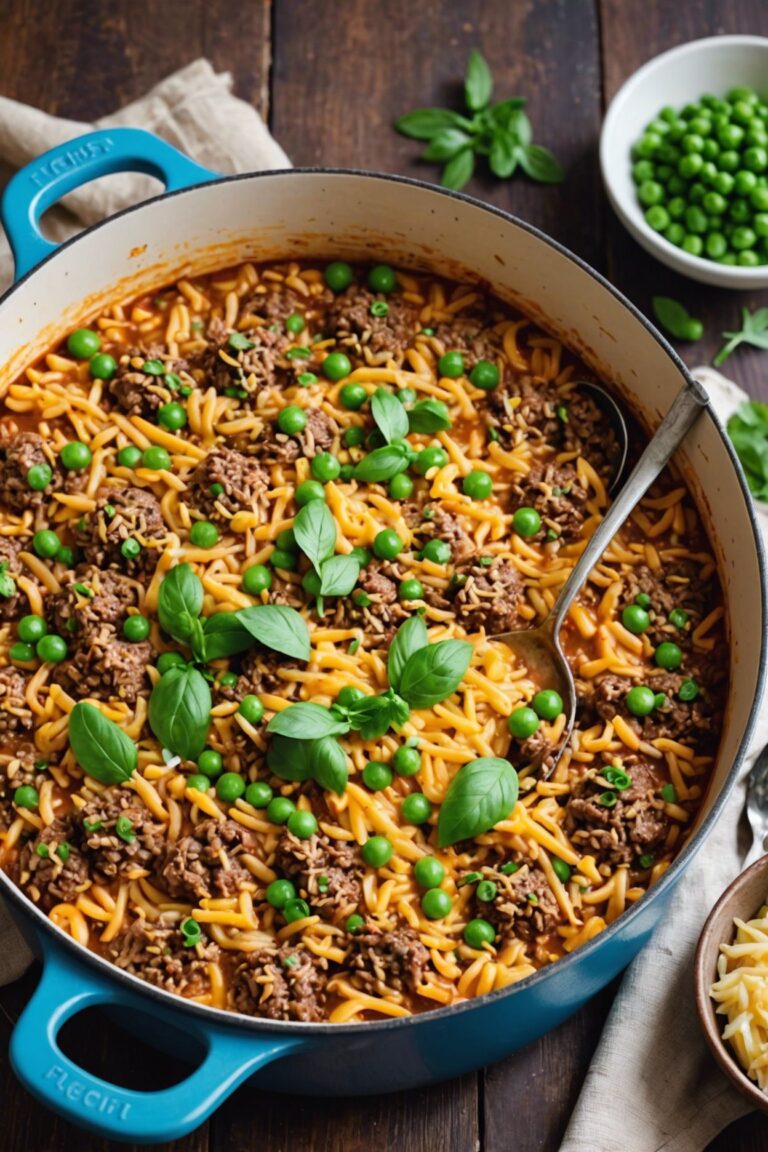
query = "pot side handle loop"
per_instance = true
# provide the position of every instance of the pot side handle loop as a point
(39, 185)
(116, 1113)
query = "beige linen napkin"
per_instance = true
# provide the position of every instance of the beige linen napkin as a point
(194, 110)
(652, 1084)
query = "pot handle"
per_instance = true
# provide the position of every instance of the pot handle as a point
(36, 187)
(116, 1113)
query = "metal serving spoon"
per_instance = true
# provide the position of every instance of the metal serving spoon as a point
(615, 417)
(539, 648)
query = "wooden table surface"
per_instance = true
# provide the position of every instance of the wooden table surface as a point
(330, 77)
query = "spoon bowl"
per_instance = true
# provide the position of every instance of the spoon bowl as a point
(615, 417)
(541, 646)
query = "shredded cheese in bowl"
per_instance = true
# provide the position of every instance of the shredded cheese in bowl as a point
(741, 993)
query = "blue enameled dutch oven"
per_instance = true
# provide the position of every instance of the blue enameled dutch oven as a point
(204, 222)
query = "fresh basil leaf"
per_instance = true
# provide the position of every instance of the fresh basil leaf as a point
(676, 319)
(748, 431)
(478, 83)
(432, 674)
(101, 748)
(481, 794)
(399, 711)
(519, 126)
(411, 637)
(338, 575)
(180, 711)
(446, 144)
(307, 721)
(503, 113)
(754, 331)
(370, 717)
(390, 418)
(540, 164)
(277, 627)
(425, 123)
(290, 759)
(329, 765)
(503, 155)
(180, 602)
(315, 532)
(429, 416)
(224, 635)
(458, 171)
(381, 464)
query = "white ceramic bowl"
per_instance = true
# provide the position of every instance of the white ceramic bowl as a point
(675, 78)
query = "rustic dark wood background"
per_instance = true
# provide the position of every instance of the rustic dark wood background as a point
(330, 77)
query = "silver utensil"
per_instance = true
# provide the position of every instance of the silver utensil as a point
(539, 648)
(615, 417)
(757, 807)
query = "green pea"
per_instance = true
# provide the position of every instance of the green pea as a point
(209, 762)
(279, 892)
(338, 275)
(335, 367)
(294, 324)
(203, 534)
(657, 218)
(325, 467)
(228, 679)
(759, 199)
(349, 695)
(451, 365)
(230, 787)
(354, 923)
(39, 477)
(526, 522)
(668, 656)
(694, 245)
(306, 378)
(46, 544)
(251, 709)
(102, 366)
(428, 872)
(407, 396)
(690, 165)
(477, 485)
(377, 776)
(382, 278)
(406, 761)
(640, 701)
(156, 459)
(635, 619)
(292, 420)
(26, 797)
(21, 653)
(486, 891)
(436, 904)
(83, 343)
(352, 396)
(129, 457)
(642, 170)
(485, 375)
(547, 704)
(479, 932)
(411, 590)
(430, 458)
(309, 490)
(523, 723)
(353, 437)
(198, 781)
(302, 824)
(52, 649)
(259, 794)
(438, 551)
(377, 851)
(400, 486)
(715, 245)
(387, 544)
(172, 416)
(75, 456)
(283, 559)
(279, 809)
(257, 579)
(295, 910)
(168, 660)
(30, 629)
(416, 809)
(742, 238)
(561, 869)
(136, 628)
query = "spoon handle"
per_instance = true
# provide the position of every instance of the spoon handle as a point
(686, 408)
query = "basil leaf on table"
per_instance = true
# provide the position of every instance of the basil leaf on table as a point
(540, 164)
(425, 123)
(510, 115)
(429, 416)
(329, 765)
(481, 794)
(180, 602)
(459, 170)
(389, 415)
(338, 575)
(224, 635)
(278, 627)
(102, 749)
(307, 721)
(748, 431)
(410, 637)
(180, 711)
(478, 83)
(503, 157)
(381, 464)
(754, 331)
(676, 319)
(315, 532)
(433, 673)
(446, 144)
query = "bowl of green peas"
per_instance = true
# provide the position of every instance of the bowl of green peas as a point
(684, 158)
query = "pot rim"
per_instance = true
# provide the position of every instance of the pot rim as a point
(220, 1016)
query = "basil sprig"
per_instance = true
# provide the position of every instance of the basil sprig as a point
(429, 416)
(315, 530)
(322, 760)
(383, 463)
(389, 415)
(433, 673)
(409, 639)
(179, 604)
(102, 749)
(481, 794)
(180, 711)
(277, 627)
(500, 131)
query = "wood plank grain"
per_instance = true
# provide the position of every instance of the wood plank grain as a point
(338, 91)
(629, 267)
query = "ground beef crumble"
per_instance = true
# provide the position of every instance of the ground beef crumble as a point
(205, 863)
(281, 984)
(384, 962)
(326, 871)
(156, 952)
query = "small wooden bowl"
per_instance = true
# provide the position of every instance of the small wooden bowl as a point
(743, 899)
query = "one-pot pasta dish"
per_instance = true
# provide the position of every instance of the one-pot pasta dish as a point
(259, 746)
